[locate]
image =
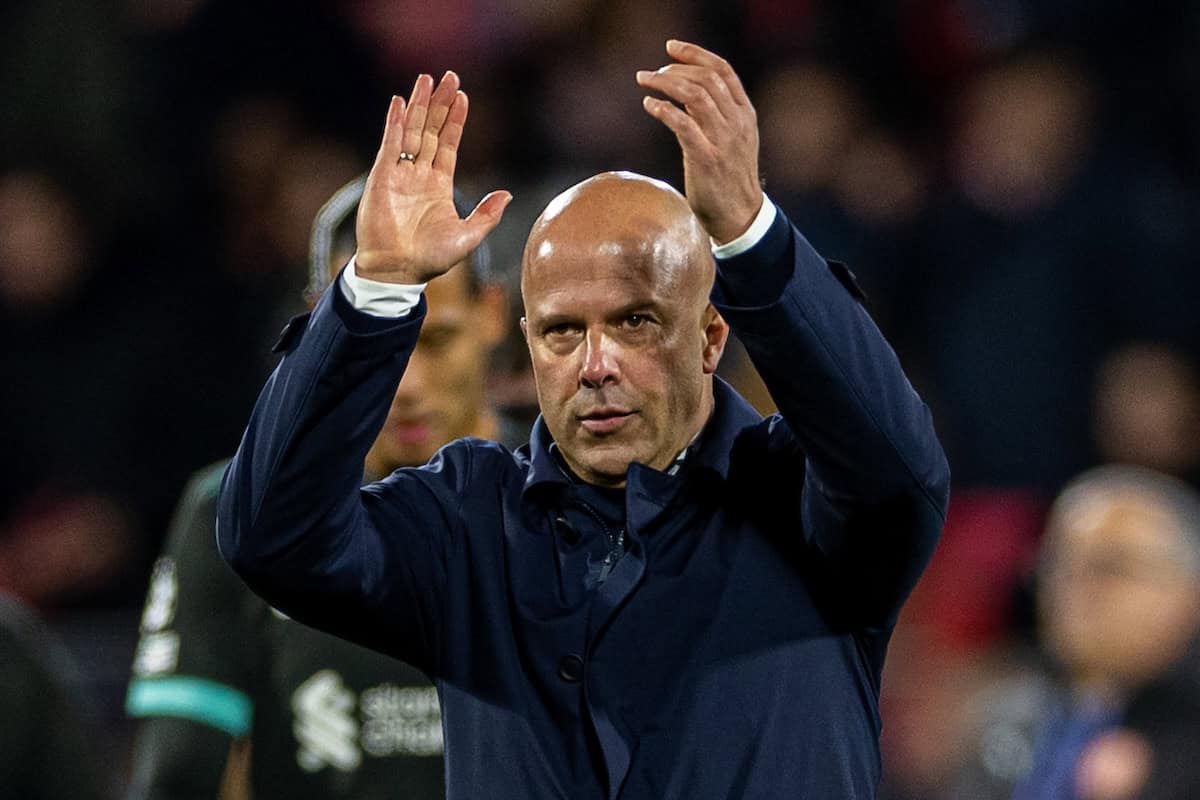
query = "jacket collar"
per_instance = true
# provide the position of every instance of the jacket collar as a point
(731, 415)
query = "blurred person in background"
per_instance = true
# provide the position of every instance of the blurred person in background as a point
(1146, 410)
(1033, 265)
(853, 186)
(1115, 713)
(68, 505)
(48, 751)
(232, 696)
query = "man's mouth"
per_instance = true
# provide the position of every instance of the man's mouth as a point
(605, 420)
(414, 430)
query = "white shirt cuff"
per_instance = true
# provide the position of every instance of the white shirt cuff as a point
(753, 235)
(377, 298)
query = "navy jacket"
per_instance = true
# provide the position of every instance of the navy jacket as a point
(734, 651)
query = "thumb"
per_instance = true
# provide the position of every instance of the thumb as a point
(486, 216)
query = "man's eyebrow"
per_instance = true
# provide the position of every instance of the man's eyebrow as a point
(553, 318)
(442, 326)
(642, 305)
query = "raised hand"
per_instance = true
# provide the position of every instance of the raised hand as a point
(717, 130)
(408, 229)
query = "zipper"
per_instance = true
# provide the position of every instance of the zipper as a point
(617, 543)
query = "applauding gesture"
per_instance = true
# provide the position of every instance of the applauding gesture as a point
(408, 229)
(717, 130)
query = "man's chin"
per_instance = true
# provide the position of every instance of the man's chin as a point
(605, 469)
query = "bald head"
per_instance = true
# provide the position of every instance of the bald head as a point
(624, 342)
(646, 221)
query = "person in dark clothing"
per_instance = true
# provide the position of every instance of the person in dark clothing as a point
(1112, 711)
(234, 697)
(661, 595)
(47, 751)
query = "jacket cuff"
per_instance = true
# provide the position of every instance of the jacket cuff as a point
(758, 276)
(758, 228)
(377, 298)
(361, 323)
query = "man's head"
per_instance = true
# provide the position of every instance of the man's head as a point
(1120, 585)
(441, 397)
(624, 342)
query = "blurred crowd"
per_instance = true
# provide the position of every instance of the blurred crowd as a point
(1016, 184)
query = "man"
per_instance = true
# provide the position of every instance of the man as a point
(231, 693)
(662, 595)
(1118, 715)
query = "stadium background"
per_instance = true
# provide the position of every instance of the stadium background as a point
(1014, 182)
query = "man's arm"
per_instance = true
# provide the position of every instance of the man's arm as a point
(366, 565)
(876, 480)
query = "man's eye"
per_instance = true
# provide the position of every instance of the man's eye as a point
(434, 340)
(635, 320)
(561, 329)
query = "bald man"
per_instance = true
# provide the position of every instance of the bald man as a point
(662, 595)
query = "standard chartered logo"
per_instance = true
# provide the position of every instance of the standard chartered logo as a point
(395, 720)
(401, 720)
(324, 723)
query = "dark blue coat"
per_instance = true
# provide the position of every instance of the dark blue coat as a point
(734, 651)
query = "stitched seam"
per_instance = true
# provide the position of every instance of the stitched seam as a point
(295, 421)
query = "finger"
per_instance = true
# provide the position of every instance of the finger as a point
(414, 117)
(691, 139)
(439, 108)
(689, 53)
(393, 132)
(703, 77)
(486, 216)
(691, 95)
(452, 131)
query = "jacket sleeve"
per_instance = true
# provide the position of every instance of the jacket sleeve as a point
(366, 564)
(875, 481)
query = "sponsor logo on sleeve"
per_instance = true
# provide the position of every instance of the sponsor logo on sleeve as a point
(158, 647)
(391, 721)
(401, 720)
(324, 724)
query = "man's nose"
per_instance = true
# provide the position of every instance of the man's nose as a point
(416, 378)
(599, 361)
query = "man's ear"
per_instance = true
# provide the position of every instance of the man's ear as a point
(716, 333)
(525, 329)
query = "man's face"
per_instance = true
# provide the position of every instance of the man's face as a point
(623, 344)
(441, 397)
(1119, 597)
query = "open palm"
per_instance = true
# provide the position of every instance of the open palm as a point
(408, 230)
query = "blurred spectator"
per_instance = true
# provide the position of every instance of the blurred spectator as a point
(1116, 714)
(811, 114)
(853, 186)
(69, 346)
(1031, 268)
(1147, 410)
(47, 750)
